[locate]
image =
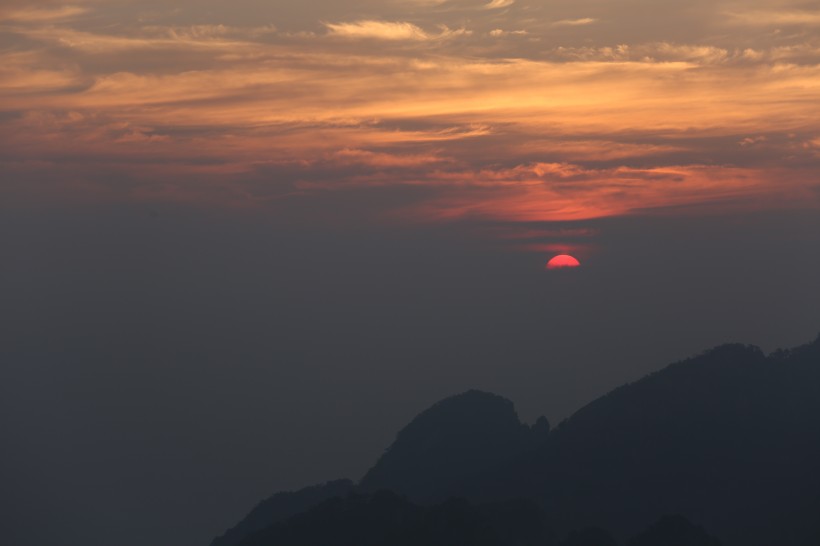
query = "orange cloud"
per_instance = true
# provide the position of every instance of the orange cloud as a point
(40, 14)
(386, 30)
(530, 129)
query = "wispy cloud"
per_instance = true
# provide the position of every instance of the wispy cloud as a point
(41, 14)
(784, 17)
(498, 32)
(554, 124)
(574, 22)
(497, 4)
(387, 30)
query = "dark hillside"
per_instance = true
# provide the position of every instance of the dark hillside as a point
(729, 440)
(457, 437)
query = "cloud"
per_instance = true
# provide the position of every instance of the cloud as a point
(20, 75)
(205, 38)
(575, 22)
(496, 33)
(554, 125)
(41, 14)
(566, 192)
(386, 30)
(352, 156)
(497, 4)
(421, 2)
(775, 17)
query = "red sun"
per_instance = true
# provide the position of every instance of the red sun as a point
(562, 261)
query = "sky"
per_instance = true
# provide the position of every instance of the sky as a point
(244, 242)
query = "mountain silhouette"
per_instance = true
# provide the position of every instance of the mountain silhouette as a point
(455, 438)
(281, 506)
(589, 536)
(387, 519)
(729, 439)
(674, 531)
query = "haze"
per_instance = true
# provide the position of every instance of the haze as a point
(244, 242)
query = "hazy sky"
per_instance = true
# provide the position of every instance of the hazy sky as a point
(244, 242)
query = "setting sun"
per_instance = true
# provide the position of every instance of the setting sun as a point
(563, 261)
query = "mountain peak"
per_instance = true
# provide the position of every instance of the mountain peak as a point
(455, 437)
(465, 409)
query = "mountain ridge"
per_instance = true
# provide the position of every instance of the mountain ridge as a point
(728, 438)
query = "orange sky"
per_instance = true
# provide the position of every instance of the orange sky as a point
(506, 110)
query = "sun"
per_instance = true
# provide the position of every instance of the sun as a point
(563, 261)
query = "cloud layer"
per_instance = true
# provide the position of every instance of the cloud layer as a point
(502, 110)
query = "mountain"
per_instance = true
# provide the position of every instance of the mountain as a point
(589, 536)
(387, 519)
(729, 439)
(280, 507)
(456, 438)
(674, 531)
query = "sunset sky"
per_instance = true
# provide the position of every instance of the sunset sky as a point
(507, 110)
(244, 242)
